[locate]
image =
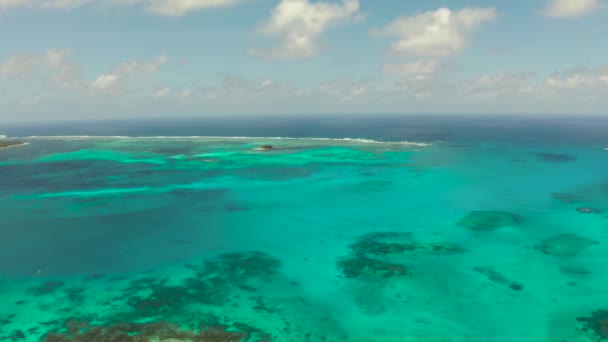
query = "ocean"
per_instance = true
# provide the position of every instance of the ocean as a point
(348, 228)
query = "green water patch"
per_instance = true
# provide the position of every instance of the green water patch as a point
(595, 326)
(489, 220)
(565, 245)
(497, 277)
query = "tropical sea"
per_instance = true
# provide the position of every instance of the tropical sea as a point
(350, 228)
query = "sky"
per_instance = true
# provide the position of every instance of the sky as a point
(77, 59)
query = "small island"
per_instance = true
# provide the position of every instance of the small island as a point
(7, 144)
(266, 148)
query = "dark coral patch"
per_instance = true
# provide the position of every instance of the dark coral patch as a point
(487, 220)
(241, 266)
(380, 248)
(45, 288)
(370, 247)
(595, 325)
(498, 278)
(361, 266)
(131, 332)
(211, 285)
(566, 198)
(555, 157)
(565, 245)
(574, 270)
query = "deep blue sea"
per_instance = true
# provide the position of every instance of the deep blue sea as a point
(345, 228)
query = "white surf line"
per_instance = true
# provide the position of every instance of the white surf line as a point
(353, 140)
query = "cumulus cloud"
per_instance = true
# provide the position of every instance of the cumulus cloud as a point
(443, 32)
(161, 93)
(171, 8)
(570, 8)
(299, 24)
(581, 78)
(105, 82)
(44, 4)
(422, 67)
(120, 74)
(28, 64)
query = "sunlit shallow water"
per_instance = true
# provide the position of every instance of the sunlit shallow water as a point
(212, 239)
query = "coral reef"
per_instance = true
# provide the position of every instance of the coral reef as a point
(45, 288)
(367, 247)
(361, 266)
(131, 332)
(565, 245)
(566, 198)
(596, 325)
(237, 267)
(369, 250)
(487, 220)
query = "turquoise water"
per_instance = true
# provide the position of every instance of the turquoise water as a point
(212, 239)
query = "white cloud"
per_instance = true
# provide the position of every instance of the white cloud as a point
(298, 24)
(120, 74)
(105, 82)
(44, 4)
(161, 93)
(31, 63)
(580, 78)
(570, 8)
(171, 8)
(437, 33)
(134, 67)
(422, 67)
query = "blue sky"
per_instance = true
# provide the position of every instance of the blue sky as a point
(144, 58)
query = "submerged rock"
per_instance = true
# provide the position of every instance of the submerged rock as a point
(574, 270)
(489, 220)
(267, 148)
(565, 245)
(498, 278)
(566, 198)
(595, 325)
(361, 266)
(589, 210)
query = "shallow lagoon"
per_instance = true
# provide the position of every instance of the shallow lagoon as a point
(209, 239)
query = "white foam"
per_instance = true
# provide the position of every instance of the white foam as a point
(351, 140)
(2, 136)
